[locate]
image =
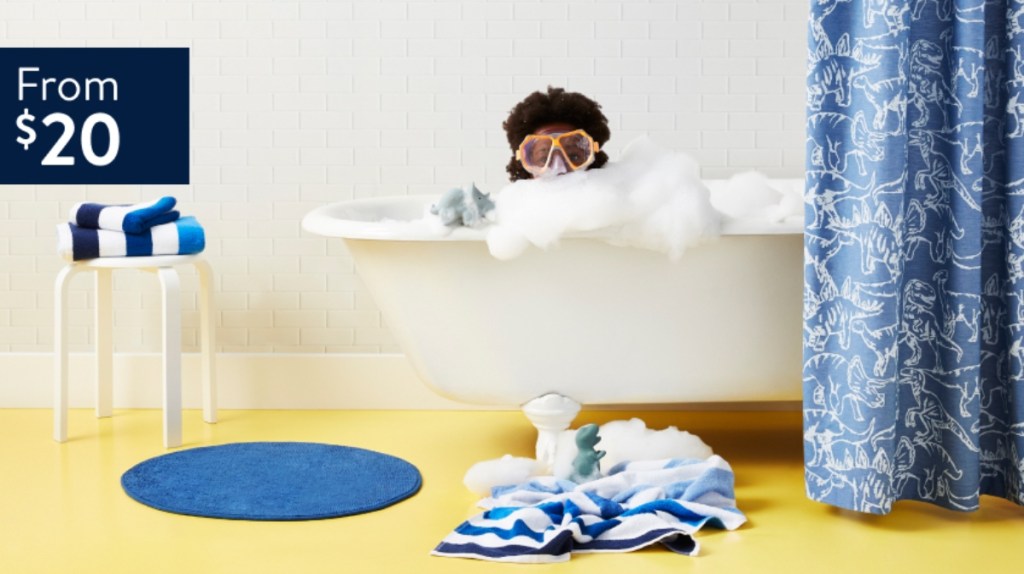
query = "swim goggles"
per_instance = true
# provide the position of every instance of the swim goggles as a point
(577, 149)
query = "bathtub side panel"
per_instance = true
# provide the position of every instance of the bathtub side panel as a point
(598, 323)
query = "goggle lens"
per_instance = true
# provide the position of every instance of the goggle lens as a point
(536, 152)
(578, 148)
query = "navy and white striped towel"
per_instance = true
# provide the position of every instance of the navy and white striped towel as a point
(636, 505)
(128, 218)
(182, 237)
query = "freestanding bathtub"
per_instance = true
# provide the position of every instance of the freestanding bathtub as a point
(584, 322)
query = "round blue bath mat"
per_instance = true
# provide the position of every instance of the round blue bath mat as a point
(272, 481)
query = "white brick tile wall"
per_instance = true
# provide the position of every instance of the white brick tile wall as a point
(300, 103)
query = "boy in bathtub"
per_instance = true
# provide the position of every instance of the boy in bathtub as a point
(555, 133)
(551, 134)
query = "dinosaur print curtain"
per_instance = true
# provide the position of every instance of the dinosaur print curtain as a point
(914, 268)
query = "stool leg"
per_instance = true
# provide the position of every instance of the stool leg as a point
(209, 341)
(170, 287)
(104, 344)
(60, 354)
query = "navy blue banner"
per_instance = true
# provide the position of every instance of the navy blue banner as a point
(94, 115)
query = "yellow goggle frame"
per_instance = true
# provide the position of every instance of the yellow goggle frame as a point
(556, 142)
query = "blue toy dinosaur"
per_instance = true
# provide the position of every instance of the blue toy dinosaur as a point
(587, 464)
(466, 206)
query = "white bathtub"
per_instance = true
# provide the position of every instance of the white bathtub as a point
(584, 322)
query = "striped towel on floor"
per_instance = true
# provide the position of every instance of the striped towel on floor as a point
(182, 237)
(636, 505)
(128, 218)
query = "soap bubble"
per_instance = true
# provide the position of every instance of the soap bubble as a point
(751, 195)
(505, 471)
(631, 441)
(651, 198)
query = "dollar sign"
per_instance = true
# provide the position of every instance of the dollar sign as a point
(30, 134)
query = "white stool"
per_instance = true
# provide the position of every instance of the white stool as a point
(170, 288)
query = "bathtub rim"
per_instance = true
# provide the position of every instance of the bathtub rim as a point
(325, 221)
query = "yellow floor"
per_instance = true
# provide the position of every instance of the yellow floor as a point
(62, 508)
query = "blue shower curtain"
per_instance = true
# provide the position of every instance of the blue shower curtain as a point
(914, 271)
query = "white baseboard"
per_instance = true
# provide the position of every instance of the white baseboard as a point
(244, 381)
(266, 381)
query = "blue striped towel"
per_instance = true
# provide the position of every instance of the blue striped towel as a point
(134, 218)
(182, 237)
(636, 505)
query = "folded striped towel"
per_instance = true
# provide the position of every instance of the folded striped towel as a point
(182, 237)
(636, 505)
(134, 218)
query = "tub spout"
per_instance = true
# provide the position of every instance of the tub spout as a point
(550, 414)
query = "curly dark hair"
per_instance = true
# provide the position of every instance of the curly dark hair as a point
(556, 106)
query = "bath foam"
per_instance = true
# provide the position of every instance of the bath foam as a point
(651, 198)
(751, 195)
(631, 441)
(622, 441)
(485, 475)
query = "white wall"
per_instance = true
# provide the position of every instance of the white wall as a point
(299, 103)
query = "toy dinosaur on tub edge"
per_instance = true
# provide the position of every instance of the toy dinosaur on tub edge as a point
(466, 206)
